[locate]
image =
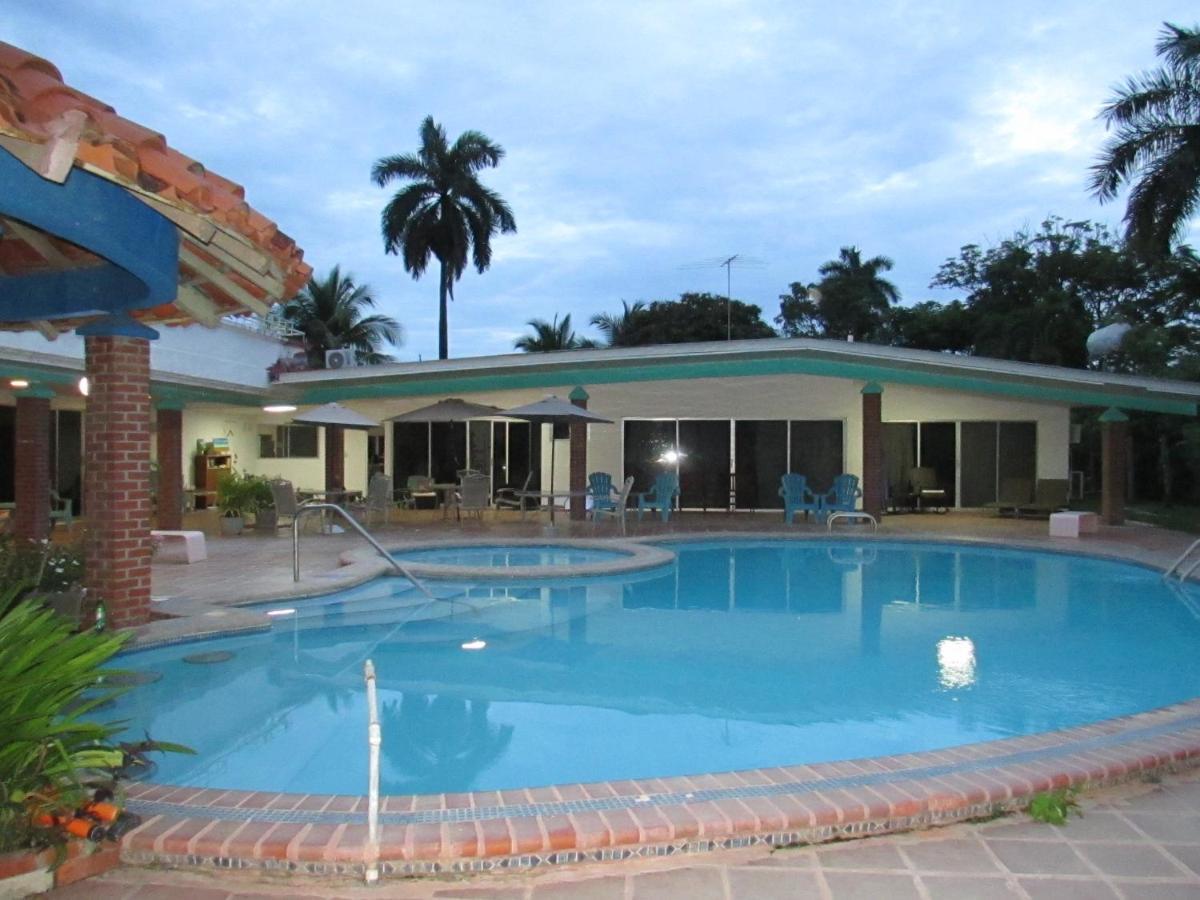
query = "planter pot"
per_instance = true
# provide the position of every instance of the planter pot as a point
(266, 520)
(231, 525)
(26, 872)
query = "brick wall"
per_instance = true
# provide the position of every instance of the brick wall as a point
(31, 471)
(169, 512)
(872, 451)
(116, 482)
(335, 458)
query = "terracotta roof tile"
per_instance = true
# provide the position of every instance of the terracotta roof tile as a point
(33, 98)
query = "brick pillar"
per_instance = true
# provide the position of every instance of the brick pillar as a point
(579, 457)
(31, 474)
(872, 449)
(170, 469)
(1114, 442)
(335, 458)
(116, 482)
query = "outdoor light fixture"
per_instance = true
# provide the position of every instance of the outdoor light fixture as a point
(18, 383)
(85, 386)
(476, 644)
(279, 408)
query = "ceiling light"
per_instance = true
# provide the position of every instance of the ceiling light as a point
(279, 408)
(18, 383)
(85, 386)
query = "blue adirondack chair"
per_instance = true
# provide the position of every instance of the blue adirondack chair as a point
(842, 496)
(797, 497)
(661, 497)
(600, 489)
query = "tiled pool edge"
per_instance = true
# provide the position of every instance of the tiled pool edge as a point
(611, 821)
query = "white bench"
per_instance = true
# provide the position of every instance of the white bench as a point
(1072, 524)
(183, 546)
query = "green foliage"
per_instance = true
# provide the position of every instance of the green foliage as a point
(1053, 807)
(330, 313)
(40, 565)
(51, 751)
(548, 336)
(693, 317)
(850, 300)
(621, 330)
(442, 209)
(1155, 147)
(239, 494)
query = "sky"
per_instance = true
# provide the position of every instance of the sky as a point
(643, 140)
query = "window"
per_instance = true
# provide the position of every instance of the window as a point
(288, 442)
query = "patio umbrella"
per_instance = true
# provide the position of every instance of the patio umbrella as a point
(451, 409)
(334, 417)
(553, 411)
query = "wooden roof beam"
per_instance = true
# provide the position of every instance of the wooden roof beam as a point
(236, 291)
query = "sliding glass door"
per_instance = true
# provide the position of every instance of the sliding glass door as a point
(704, 463)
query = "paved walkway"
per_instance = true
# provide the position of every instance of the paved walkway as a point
(1140, 840)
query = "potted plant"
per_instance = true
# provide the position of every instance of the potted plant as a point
(238, 496)
(266, 517)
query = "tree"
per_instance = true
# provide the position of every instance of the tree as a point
(549, 336)
(691, 318)
(1156, 145)
(799, 312)
(621, 330)
(444, 210)
(932, 326)
(853, 299)
(330, 313)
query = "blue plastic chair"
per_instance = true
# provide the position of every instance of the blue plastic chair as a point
(797, 497)
(661, 497)
(600, 489)
(843, 496)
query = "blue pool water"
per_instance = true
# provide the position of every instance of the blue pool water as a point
(741, 654)
(505, 555)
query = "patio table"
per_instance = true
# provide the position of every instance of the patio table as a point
(338, 495)
(546, 495)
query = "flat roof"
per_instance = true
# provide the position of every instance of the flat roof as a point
(727, 359)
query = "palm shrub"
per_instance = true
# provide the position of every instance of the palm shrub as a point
(51, 751)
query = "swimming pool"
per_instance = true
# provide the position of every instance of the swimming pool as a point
(741, 654)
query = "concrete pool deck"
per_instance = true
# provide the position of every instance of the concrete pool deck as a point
(632, 820)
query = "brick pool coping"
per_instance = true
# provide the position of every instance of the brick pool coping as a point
(608, 821)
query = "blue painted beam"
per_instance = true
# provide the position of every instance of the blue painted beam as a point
(140, 247)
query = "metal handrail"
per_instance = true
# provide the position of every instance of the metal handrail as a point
(374, 740)
(333, 507)
(1183, 573)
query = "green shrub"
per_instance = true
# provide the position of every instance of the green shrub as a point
(240, 495)
(1053, 807)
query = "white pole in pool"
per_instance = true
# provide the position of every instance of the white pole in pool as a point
(374, 739)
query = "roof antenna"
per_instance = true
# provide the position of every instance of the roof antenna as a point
(728, 263)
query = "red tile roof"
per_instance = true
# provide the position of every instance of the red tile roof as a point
(252, 255)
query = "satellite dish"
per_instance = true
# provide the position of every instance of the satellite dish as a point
(1105, 340)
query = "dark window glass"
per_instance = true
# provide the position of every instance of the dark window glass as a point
(410, 451)
(938, 452)
(646, 447)
(449, 440)
(523, 454)
(817, 453)
(302, 441)
(481, 446)
(761, 453)
(1018, 451)
(978, 463)
(7, 452)
(899, 458)
(67, 465)
(704, 464)
(500, 455)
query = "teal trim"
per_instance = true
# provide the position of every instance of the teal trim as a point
(496, 380)
(578, 394)
(872, 387)
(1112, 414)
(42, 393)
(37, 374)
(168, 404)
(178, 396)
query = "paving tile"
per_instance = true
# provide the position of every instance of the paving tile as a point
(1163, 800)
(1186, 854)
(858, 886)
(93, 889)
(1129, 859)
(694, 884)
(174, 892)
(1149, 890)
(965, 887)
(1098, 826)
(770, 884)
(1025, 829)
(797, 858)
(1177, 829)
(862, 855)
(1064, 889)
(1038, 857)
(609, 888)
(954, 855)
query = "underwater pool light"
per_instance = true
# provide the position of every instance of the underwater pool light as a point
(285, 611)
(476, 644)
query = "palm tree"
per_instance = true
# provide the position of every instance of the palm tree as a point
(621, 330)
(1156, 145)
(330, 313)
(549, 336)
(444, 210)
(853, 298)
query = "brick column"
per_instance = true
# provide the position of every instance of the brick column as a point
(116, 482)
(578, 480)
(31, 473)
(872, 449)
(170, 468)
(1114, 440)
(335, 457)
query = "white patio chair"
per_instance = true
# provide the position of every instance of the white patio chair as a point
(378, 500)
(474, 495)
(619, 510)
(506, 497)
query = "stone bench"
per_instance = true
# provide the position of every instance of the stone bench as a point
(180, 546)
(1072, 524)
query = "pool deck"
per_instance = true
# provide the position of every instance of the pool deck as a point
(653, 819)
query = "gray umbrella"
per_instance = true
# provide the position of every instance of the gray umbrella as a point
(334, 417)
(553, 411)
(451, 409)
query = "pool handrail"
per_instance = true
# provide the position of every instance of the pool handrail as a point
(374, 740)
(1178, 564)
(313, 506)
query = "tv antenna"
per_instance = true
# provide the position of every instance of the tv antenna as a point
(728, 263)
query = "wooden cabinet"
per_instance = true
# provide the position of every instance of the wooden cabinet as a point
(209, 467)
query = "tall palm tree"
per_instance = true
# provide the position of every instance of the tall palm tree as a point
(621, 330)
(853, 298)
(549, 336)
(1156, 145)
(443, 210)
(330, 313)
